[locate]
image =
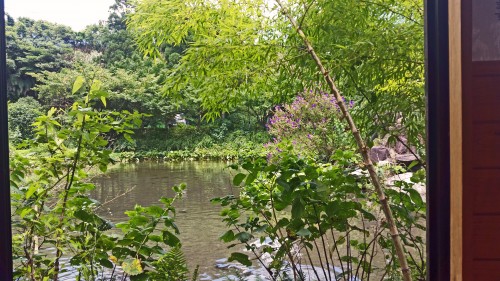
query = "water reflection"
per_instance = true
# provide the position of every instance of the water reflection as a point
(198, 220)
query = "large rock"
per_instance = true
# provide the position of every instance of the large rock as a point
(400, 147)
(405, 159)
(379, 153)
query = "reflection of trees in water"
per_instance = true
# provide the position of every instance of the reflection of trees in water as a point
(150, 181)
(197, 218)
(485, 31)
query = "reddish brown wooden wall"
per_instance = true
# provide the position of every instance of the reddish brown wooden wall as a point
(481, 160)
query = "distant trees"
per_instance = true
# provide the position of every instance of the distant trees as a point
(32, 47)
(44, 60)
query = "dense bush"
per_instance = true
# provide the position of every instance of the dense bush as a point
(311, 125)
(191, 142)
(22, 115)
(318, 214)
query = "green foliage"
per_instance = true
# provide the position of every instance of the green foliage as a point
(32, 47)
(374, 49)
(171, 266)
(187, 142)
(54, 217)
(311, 125)
(106, 52)
(230, 56)
(301, 204)
(145, 234)
(234, 59)
(22, 115)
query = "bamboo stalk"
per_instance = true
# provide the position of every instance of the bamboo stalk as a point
(405, 270)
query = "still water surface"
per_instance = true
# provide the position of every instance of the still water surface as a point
(198, 220)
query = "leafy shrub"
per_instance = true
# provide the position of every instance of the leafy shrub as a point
(22, 115)
(311, 124)
(320, 214)
(55, 218)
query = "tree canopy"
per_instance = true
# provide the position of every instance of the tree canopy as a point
(240, 51)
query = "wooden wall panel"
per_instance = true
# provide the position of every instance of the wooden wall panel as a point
(481, 159)
(487, 187)
(486, 270)
(486, 137)
(484, 241)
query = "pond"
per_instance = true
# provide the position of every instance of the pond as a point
(198, 220)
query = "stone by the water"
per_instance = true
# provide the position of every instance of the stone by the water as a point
(379, 153)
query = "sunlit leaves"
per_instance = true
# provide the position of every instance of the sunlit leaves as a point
(79, 82)
(231, 49)
(132, 266)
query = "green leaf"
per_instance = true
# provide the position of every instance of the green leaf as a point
(415, 196)
(103, 100)
(154, 210)
(228, 236)
(297, 208)
(243, 236)
(241, 258)
(238, 179)
(106, 263)
(304, 232)
(132, 266)
(31, 190)
(250, 178)
(140, 277)
(128, 138)
(96, 86)
(84, 216)
(170, 239)
(24, 212)
(341, 240)
(78, 84)
(413, 164)
(282, 223)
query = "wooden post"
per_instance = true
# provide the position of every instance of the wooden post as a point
(455, 72)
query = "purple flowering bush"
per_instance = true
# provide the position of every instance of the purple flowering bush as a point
(309, 126)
